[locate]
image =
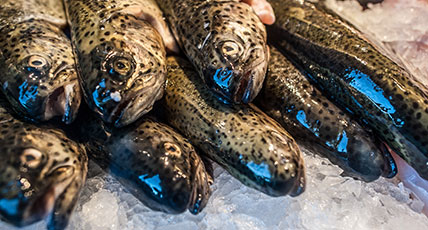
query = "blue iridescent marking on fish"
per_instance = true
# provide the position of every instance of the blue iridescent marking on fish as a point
(27, 94)
(96, 96)
(154, 183)
(9, 206)
(261, 170)
(222, 78)
(301, 117)
(365, 85)
(343, 144)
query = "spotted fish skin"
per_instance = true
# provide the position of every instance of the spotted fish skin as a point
(155, 163)
(226, 42)
(251, 146)
(120, 57)
(351, 70)
(288, 97)
(42, 172)
(38, 70)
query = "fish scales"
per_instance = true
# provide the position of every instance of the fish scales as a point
(288, 97)
(42, 172)
(352, 71)
(242, 139)
(39, 76)
(226, 42)
(120, 56)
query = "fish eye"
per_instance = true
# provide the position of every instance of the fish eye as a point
(231, 49)
(36, 61)
(172, 149)
(31, 158)
(121, 66)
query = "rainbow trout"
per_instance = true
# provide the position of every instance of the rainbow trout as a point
(356, 75)
(120, 56)
(288, 97)
(36, 61)
(42, 173)
(225, 41)
(250, 145)
(155, 163)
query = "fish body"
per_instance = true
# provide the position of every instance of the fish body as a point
(41, 172)
(241, 138)
(38, 70)
(355, 74)
(155, 163)
(288, 97)
(120, 57)
(225, 41)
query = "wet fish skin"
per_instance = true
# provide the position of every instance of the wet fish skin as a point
(357, 76)
(41, 172)
(225, 41)
(120, 56)
(289, 98)
(155, 163)
(241, 138)
(39, 76)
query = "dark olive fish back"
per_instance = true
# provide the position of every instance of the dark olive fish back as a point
(242, 139)
(355, 74)
(120, 56)
(41, 172)
(225, 41)
(288, 97)
(155, 163)
(39, 76)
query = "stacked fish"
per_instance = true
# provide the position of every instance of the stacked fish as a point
(320, 81)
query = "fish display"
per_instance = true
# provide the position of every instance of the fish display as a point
(356, 75)
(120, 57)
(250, 145)
(288, 97)
(225, 41)
(41, 172)
(155, 163)
(38, 70)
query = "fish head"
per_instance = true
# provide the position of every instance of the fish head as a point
(235, 56)
(125, 74)
(36, 169)
(40, 78)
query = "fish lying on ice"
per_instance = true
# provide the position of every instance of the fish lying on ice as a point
(41, 172)
(355, 74)
(36, 61)
(250, 145)
(288, 97)
(155, 163)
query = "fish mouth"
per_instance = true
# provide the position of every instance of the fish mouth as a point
(117, 114)
(63, 101)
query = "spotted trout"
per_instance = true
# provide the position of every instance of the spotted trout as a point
(36, 61)
(155, 163)
(41, 172)
(288, 97)
(120, 56)
(250, 145)
(225, 41)
(356, 75)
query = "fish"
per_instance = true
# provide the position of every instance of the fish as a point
(356, 75)
(42, 172)
(39, 76)
(225, 41)
(288, 97)
(154, 162)
(120, 57)
(251, 146)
